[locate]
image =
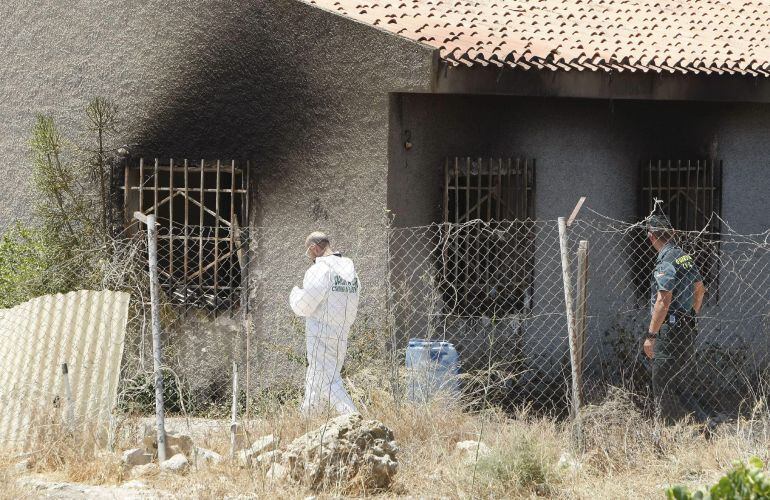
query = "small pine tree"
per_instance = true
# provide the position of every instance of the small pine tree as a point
(71, 223)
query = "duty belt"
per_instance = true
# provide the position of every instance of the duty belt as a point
(672, 318)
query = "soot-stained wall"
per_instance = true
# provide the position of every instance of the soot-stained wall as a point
(587, 148)
(582, 147)
(299, 91)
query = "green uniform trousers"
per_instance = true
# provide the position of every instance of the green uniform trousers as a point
(673, 369)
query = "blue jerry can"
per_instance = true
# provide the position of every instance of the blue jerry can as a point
(432, 367)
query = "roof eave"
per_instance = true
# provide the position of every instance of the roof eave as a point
(601, 84)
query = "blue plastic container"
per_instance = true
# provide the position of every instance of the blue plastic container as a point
(432, 369)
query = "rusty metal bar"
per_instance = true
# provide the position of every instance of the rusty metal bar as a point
(455, 246)
(141, 185)
(712, 190)
(523, 194)
(687, 198)
(650, 203)
(200, 225)
(170, 216)
(155, 190)
(246, 189)
(524, 169)
(186, 259)
(499, 188)
(233, 223)
(516, 200)
(162, 189)
(489, 191)
(478, 190)
(446, 189)
(216, 236)
(660, 182)
(467, 188)
(532, 195)
(668, 195)
(697, 189)
(457, 190)
(225, 169)
(679, 194)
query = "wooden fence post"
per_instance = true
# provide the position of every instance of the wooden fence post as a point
(570, 311)
(581, 316)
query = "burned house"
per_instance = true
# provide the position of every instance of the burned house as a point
(338, 111)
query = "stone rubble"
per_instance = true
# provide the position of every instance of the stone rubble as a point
(260, 446)
(343, 449)
(178, 464)
(175, 442)
(135, 457)
(206, 457)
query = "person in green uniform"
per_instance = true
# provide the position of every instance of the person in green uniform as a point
(677, 292)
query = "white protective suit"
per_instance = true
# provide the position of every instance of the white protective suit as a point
(328, 300)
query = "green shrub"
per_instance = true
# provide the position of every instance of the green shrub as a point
(62, 251)
(744, 482)
(23, 259)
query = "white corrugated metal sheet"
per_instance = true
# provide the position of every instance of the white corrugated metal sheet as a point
(85, 329)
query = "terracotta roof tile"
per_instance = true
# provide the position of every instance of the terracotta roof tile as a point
(674, 36)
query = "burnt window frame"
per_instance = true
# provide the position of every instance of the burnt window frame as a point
(201, 251)
(477, 261)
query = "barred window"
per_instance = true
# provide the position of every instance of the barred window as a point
(488, 263)
(691, 191)
(202, 213)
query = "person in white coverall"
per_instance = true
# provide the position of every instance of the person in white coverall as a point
(328, 300)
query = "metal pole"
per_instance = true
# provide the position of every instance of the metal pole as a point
(234, 411)
(570, 310)
(152, 251)
(70, 422)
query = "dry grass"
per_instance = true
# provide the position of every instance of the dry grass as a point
(624, 455)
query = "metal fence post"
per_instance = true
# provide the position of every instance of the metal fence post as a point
(570, 310)
(70, 404)
(152, 254)
(234, 411)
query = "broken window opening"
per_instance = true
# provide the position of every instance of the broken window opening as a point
(487, 267)
(202, 215)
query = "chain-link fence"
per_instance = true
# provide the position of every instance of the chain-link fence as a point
(494, 290)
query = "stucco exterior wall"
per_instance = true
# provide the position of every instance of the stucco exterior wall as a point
(587, 148)
(299, 91)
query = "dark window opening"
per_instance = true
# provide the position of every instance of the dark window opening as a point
(487, 265)
(691, 192)
(202, 215)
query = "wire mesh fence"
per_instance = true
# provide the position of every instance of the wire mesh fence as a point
(494, 290)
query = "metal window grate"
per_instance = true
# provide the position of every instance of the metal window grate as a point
(487, 270)
(202, 212)
(691, 191)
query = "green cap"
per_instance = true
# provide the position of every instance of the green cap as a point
(659, 224)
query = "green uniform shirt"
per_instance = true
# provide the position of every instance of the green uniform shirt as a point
(675, 272)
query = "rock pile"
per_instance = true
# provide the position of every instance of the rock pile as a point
(344, 449)
(180, 451)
